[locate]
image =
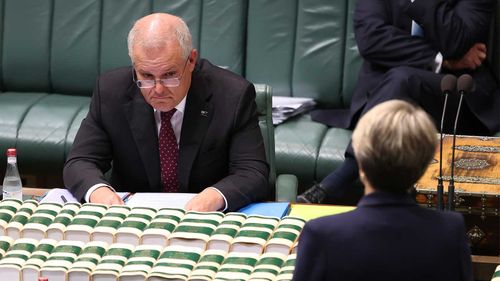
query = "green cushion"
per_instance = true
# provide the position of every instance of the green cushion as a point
(42, 135)
(297, 147)
(331, 152)
(13, 110)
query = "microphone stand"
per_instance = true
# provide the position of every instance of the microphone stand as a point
(448, 85)
(440, 188)
(451, 186)
(465, 84)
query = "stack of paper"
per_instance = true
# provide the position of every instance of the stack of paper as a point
(86, 262)
(57, 228)
(286, 107)
(5, 242)
(84, 222)
(105, 229)
(285, 235)
(268, 266)
(140, 263)
(112, 262)
(60, 260)
(8, 209)
(253, 234)
(237, 266)
(208, 265)
(162, 225)
(14, 260)
(195, 229)
(13, 229)
(286, 272)
(175, 263)
(37, 225)
(225, 232)
(130, 231)
(31, 268)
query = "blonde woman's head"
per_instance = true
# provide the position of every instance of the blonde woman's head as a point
(393, 143)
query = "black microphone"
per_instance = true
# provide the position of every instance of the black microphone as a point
(448, 86)
(464, 85)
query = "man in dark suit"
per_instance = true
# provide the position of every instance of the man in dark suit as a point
(407, 47)
(388, 236)
(169, 123)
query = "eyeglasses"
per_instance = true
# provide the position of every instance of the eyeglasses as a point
(167, 82)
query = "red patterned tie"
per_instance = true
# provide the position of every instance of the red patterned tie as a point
(169, 153)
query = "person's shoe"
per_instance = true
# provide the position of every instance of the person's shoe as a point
(314, 195)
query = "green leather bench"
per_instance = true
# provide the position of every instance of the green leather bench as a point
(52, 50)
(307, 49)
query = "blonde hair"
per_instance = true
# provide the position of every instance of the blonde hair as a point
(393, 143)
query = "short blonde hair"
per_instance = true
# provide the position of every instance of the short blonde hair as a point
(393, 143)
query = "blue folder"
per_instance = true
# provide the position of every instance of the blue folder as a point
(272, 209)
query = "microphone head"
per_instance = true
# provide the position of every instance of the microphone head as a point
(465, 83)
(448, 83)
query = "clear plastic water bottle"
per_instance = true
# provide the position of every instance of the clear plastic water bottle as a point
(12, 186)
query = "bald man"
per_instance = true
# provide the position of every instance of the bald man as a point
(169, 123)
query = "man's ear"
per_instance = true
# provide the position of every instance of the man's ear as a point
(193, 57)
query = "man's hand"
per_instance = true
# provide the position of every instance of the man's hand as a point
(206, 201)
(104, 195)
(471, 60)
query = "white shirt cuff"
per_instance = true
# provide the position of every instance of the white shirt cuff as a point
(224, 197)
(93, 188)
(438, 63)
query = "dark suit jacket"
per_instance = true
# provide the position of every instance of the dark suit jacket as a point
(387, 237)
(383, 35)
(220, 145)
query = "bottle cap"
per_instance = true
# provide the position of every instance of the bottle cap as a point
(41, 278)
(11, 152)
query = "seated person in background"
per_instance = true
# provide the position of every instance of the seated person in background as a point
(388, 236)
(407, 47)
(169, 123)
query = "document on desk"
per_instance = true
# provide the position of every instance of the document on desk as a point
(155, 200)
(159, 200)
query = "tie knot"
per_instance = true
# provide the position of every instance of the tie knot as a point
(167, 115)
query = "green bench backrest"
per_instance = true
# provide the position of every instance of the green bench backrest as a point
(303, 48)
(60, 46)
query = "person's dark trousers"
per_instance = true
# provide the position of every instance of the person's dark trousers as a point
(342, 186)
(414, 85)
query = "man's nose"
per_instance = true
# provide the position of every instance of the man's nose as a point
(159, 88)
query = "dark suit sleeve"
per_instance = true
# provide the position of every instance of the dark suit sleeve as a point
(90, 156)
(382, 43)
(248, 169)
(311, 263)
(453, 29)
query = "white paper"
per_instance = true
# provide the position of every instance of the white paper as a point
(160, 200)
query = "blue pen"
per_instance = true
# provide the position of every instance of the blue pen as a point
(127, 196)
